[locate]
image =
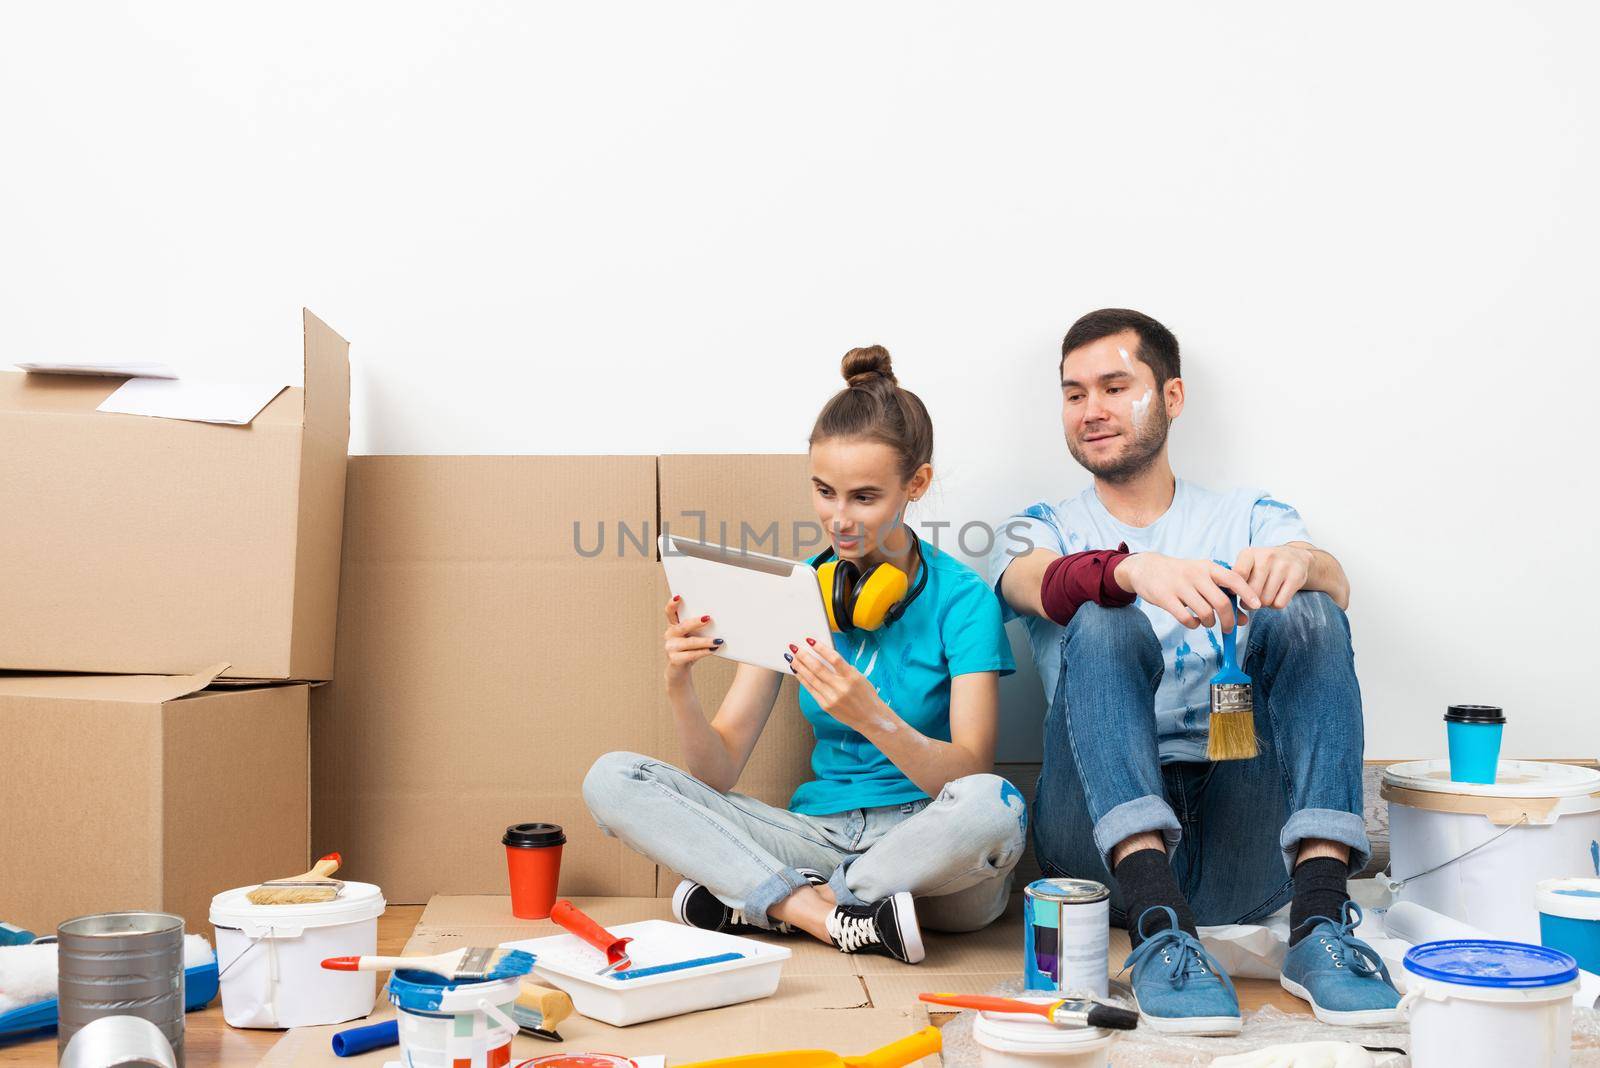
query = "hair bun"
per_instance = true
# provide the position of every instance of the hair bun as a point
(865, 365)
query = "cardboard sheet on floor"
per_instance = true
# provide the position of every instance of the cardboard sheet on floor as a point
(849, 1004)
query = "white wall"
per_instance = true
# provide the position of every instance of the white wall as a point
(643, 227)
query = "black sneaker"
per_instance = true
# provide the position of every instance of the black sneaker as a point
(696, 906)
(888, 927)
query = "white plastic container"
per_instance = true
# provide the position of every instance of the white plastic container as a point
(454, 1023)
(1482, 1004)
(570, 963)
(1015, 1040)
(1477, 852)
(270, 958)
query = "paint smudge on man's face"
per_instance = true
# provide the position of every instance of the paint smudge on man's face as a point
(1140, 407)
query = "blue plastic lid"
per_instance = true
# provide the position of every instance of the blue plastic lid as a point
(420, 991)
(1479, 962)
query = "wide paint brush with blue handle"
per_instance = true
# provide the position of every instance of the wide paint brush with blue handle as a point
(1233, 712)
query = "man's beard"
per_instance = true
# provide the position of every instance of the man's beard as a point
(1140, 452)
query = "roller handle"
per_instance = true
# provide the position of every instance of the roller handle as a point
(985, 1003)
(370, 964)
(569, 916)
(898, 1054)
(361, 1039)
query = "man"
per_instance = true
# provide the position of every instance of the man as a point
(1126, 641)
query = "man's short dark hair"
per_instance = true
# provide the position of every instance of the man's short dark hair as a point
(1158, 349)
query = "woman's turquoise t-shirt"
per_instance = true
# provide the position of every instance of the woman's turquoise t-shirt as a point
(952, 628)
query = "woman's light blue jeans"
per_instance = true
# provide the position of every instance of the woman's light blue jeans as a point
(954, 853)
(1232, 828)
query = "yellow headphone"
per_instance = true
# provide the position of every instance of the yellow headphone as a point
(866, 600)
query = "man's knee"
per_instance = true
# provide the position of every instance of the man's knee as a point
(1311, 620)
(993, 814)
(1124, 629)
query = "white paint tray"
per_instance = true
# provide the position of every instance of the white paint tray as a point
(570, 963)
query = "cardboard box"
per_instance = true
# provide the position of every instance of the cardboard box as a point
(493, 642)
(147, 792)
(484, 664)
(147, 545)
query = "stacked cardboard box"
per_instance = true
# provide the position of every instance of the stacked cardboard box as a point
(193, 568)
(500, 624)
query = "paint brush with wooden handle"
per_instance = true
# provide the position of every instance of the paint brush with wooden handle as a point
(473, 962)
(1233, 713)
(1068, 1012)
(314, 885)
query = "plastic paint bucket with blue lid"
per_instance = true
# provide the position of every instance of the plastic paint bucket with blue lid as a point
(454, 1023)
(1569, 919)
(1486, 1004)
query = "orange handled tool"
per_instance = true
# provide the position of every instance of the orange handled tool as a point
(1067, 1012)
(908, 1050)
(568, 915)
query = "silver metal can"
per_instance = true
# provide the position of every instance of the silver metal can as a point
(1066, 925)
(121, 964)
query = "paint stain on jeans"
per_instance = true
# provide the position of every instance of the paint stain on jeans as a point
(1007, 792)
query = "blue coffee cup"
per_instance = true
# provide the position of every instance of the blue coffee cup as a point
(1473, 732)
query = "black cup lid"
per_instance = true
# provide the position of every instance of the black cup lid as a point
(533, 835)
(1475, 714)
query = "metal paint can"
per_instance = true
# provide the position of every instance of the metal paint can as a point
(121, 964)
(1066, 935)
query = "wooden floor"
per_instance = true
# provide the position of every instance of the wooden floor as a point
(208, 1041)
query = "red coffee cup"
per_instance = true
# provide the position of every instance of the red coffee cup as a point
(533, 855)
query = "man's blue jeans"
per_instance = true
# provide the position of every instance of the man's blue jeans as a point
(1232, 827)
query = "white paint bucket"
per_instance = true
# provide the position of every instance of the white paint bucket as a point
(454, 1023)
(1477, 853)
(269, 958)
(1482, 1004)
(1017, 1040)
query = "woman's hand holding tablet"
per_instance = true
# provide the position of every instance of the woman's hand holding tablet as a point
(684, 646)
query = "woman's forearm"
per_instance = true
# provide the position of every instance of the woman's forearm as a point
(927, 762)
(705, 752)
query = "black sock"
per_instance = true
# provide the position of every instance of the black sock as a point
(1321, 887)
(1146, 880)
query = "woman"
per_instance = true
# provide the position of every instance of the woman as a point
(904, 814)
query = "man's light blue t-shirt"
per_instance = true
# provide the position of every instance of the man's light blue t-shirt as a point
(1199, 525)
(952, 628)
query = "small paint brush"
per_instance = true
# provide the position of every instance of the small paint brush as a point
(1068, 1012)
(1233, 713)
(314, 885)
(471, 962)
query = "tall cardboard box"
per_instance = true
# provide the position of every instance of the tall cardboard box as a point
(147, 792)
(500, 623)
(498, 631)
(134, 544)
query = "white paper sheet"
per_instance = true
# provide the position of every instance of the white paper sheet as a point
(235, 403)
(112, 369)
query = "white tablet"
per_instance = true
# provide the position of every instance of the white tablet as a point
(759, 605)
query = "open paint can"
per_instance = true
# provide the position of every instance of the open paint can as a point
(1066, 934)
(454, 1023)
(1569, 919)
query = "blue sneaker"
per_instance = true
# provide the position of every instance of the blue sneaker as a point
(1344, 978)
(1180, 989)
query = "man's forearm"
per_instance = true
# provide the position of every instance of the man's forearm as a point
(1326, 575)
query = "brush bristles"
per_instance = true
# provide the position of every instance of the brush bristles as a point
(1233, 736)
(487, 963)
(292, 893)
